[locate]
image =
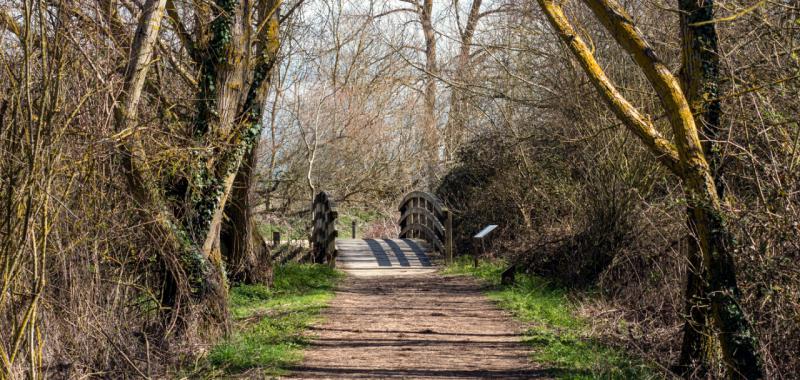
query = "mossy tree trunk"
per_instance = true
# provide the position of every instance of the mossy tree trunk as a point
(246, 253)
(229, 123)
(231, 89)
(699, 80)
(692, 361)
(686, 159)
(188, 274)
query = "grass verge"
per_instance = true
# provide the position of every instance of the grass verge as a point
(269, 322)
(558, 337)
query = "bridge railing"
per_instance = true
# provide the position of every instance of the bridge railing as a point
(423, 216)
(323, 235)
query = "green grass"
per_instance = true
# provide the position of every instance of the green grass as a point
(292, 230)
(269, 322)
(362, 218)
(559, 339)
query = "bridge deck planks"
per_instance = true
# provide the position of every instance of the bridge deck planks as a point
(383, 255)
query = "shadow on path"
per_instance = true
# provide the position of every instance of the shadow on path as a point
(380, 254)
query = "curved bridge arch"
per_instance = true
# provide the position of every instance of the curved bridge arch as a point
(423, 216)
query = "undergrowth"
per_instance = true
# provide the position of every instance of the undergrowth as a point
(557, 336)
(269, 322)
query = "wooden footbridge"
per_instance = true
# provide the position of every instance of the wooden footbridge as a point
(425, 235)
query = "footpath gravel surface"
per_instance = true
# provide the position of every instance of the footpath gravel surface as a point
(424, 326)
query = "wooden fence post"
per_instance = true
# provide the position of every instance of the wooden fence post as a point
(353, 226)
(276, 238)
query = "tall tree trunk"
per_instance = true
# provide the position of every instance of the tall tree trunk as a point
(246, 253)
(187, 270)
(693, 359)
(454, 129)
(737, 339)
(228, 122)
(430, 138)
(700, 78)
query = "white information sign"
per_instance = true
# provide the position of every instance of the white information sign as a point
(485, 231)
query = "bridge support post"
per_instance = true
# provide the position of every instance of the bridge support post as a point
(323, 236)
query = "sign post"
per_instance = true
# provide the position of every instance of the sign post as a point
(480, 237)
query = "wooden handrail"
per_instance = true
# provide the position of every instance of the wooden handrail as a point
(423, 216)
(323, 236)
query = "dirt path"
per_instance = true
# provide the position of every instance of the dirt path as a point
(422, 327)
